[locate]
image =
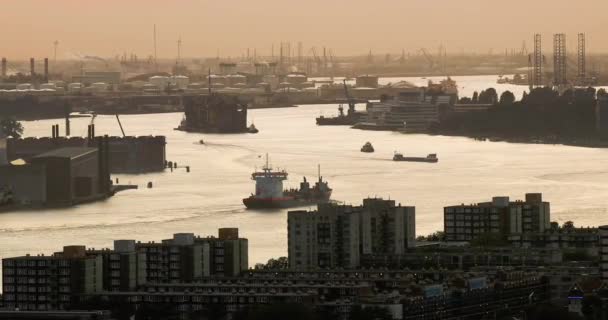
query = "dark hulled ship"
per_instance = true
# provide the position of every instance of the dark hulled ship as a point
(269, 193)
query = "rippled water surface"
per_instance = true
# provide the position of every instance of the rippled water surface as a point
(574, 180)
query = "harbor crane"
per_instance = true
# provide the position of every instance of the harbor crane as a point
(428, 57)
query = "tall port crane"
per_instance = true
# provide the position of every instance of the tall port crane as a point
(351, 102)
(428, 57)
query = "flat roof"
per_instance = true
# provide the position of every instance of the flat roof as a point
(68, 152)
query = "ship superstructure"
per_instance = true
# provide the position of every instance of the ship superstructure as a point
(269, 192)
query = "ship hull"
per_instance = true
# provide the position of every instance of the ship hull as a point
(255, 203)
(283, 203)
(416, 159)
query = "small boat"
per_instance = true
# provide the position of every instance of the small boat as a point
(252, 129)
(367, 147)
(202, 141)
(431, 158)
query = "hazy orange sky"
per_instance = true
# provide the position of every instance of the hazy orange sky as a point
(110, 27)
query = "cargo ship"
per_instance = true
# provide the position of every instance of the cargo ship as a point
(269, 193)
(432, 158)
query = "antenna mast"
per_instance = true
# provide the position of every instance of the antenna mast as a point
(155, 52)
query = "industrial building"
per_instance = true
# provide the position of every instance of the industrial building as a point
(91, 77)
(63, 176)
(72, 174)
(339, 235)
(601, 116)
(500, 217)
(126, 154)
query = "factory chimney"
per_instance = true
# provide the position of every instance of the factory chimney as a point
(32, 67)
(4, 67)
(46, 69)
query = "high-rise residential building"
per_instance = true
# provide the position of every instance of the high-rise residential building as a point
(338, 235)
(386, 228)
(603, 231)
(123, 268)
(50, 282)
(500, 216)
(228, 254)
(327, 238)
(179, 259)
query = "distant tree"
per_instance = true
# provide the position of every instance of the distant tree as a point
(524, 97)
(601, 92)
(568, 225)
(475, 97)
(11, 127)
(554, 226)
(465, 100)
(488, 96)
(436, 236)
(274, 264)
(507, 98)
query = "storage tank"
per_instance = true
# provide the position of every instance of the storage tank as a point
(234, 79)
(48, 86)
(99, 87)
(75, 87)
(180, 82)
(160, 82)
(24, 86)
(296, 78)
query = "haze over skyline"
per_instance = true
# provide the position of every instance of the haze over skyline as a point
(111, 27)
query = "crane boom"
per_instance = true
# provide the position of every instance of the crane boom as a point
(351, 103)
(120, 124)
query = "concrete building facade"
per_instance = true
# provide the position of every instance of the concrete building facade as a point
(339, 235)
(501, 217)
(50, 282)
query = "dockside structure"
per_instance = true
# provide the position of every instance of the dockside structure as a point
(214, 113)
(126, 154)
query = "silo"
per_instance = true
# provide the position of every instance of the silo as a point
(32, 67)
(46, 69)
(4, 68)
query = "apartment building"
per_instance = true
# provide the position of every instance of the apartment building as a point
(500, 216)
(339, 235)
(50, 282)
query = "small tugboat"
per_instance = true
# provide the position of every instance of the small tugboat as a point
(252, 129)
(431, 158)
(367, 147)
(269, 193)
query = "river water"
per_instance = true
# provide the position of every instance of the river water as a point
(573, 179)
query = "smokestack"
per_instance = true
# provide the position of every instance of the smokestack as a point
(67, 109)
(32, 67)
(4, 67)
(67, 125)
(46, 69)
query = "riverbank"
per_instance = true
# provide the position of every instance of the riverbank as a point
(573, 142)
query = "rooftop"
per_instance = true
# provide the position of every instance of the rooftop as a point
(68, 152)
